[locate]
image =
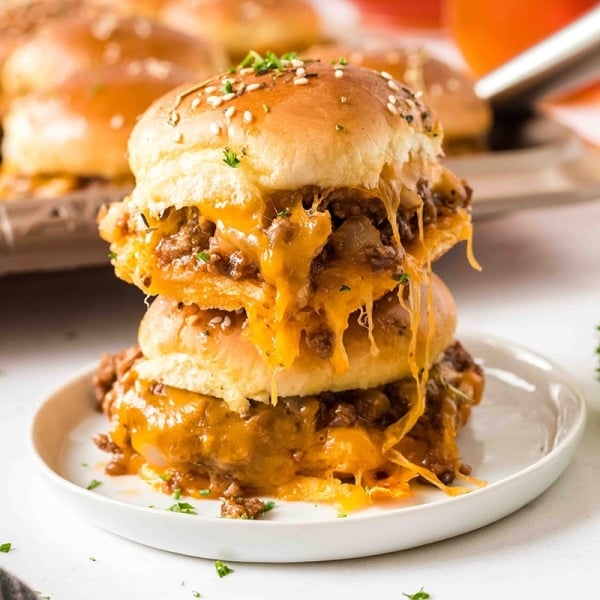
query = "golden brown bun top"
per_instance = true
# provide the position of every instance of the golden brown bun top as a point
(129, 8)
(83, 130)
(228, 140)
(67, 46)
(241, 25)
(207, 352)
(447, 90)
(20, 18)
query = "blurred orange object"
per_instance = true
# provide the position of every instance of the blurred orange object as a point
(489, 32)
(400, 14)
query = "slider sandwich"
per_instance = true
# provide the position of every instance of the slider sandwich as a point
(286, 216)
(74, 90)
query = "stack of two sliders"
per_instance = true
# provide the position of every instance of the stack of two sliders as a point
(285, 217)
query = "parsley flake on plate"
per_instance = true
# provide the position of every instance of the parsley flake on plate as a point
(222, 569)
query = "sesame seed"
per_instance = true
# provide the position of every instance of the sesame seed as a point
(436, 89)
(215, 320)
(226, 322)
(253, 86)
(300, 81)
(392, 108)
(246, 70)
(215, 128)
(196, 102)
(229, 96)
(215, 101)
(453, 84)
(158, 68)
(344, 100)
(178, 137)
(117, 121)
(418, 94)
(143, 28)
(112, 53)
(296, 62)
(229, 112)
(392, 99)
(393, 85)
(300, 72)
(248, 117)
(210, 89)
(385, 75)
(339, 73)
(173, 118)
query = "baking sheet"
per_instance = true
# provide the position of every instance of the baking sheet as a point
(535, 163)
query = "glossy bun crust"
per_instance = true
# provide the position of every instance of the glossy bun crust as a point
(65, 47)
(288, 131)
(449, 91)
(262, 25)
(207, 352)
(82, 131)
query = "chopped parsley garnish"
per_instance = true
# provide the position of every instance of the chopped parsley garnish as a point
(196, 594)
(420, 595)
(227, 87)
(204, 492)
(92, 559)
(183, 507)
(166, 476)
(203, 256)
(112, 255)
(266, 63)
(341, 515)
(230, 158)
(266, 108)
(94, 483)
(402, 278)
(345, 288)
(6, 547)
(222, 569)
(269, 505)
(177, 493)
(283, 213)
(343, 60)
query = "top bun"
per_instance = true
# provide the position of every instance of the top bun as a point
(300, 124)
(274, 25)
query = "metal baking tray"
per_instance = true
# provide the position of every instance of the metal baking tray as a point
(533, 163)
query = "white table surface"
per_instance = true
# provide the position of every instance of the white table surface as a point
(540, 287)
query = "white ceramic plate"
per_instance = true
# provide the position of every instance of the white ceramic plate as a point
(520, 439)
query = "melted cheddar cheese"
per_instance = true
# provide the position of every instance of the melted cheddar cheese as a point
(289, 451)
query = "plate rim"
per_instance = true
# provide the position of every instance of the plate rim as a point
(563, 448)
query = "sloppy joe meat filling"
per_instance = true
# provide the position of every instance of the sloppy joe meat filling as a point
(199, 443)
(361, 231)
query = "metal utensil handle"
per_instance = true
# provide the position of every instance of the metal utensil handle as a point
(566, 60)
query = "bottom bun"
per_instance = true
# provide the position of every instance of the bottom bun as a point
(207, 351)
(347, 448)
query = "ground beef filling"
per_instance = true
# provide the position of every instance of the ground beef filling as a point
(454, 386)
(354, 214)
